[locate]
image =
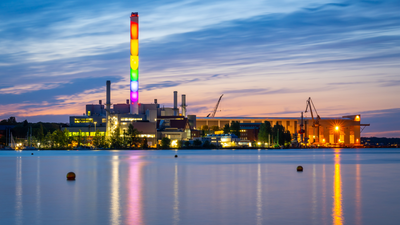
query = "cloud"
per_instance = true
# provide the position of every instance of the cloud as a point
(19, 89)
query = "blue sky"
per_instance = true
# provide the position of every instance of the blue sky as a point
(266, 57)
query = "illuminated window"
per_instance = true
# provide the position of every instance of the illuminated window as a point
(104, 120)
(130, 119)
(351, 139)
(83, 120)
(147, 135)
(88, 113)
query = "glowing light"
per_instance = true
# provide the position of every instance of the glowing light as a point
(174, 143)
(134, 62)
(337, 128)
(134, 47)
(357, 140)
(134, 30)
(134, 86)
(357, 118)
(134, 96)
(134, 75)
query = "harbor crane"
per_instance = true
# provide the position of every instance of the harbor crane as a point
(310, 105)
(212, 114)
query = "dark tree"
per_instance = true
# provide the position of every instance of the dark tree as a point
(165, 142)
(133, 136)
(227, 129)
(144, 143)
(235, 128)
(265, 131)
(197, 142)
(278, 132)
(115, 139)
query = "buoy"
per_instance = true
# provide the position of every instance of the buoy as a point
(176, 156)
(31, 153)
(71, 176)
(299, 169)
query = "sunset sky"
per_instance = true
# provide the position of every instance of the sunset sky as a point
(266, 57)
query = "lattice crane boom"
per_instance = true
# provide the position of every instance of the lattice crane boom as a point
(212, 114)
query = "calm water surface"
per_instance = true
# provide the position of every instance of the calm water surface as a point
(337, 186)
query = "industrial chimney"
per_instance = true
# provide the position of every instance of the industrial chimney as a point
(108, 96)
(176, 103)
(183, 105)
(108, 103)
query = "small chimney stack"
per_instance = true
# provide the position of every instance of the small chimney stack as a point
(183, 105)
(127, 101)
(175, 103)
(100, 102)
(155, 101)
(108, 97)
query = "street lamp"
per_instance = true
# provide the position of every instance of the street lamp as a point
(95, 122)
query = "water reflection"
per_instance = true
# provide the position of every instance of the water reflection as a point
(358, 194)
(38, 194)
(115, 196)
(259, 195)
(176, 196)
(135, 210)
(18, 192)
(337, 210)
(314, 195)
(324, 220)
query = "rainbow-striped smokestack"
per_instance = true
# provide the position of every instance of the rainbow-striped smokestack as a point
(134, 96)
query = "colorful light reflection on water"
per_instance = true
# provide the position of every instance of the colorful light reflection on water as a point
(344, 186)
(337, 211)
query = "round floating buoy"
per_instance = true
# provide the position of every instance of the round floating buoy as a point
(299, 169)
(176, 156)
(31, 153)
(71, 176)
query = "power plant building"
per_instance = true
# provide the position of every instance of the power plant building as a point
(155, 122)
